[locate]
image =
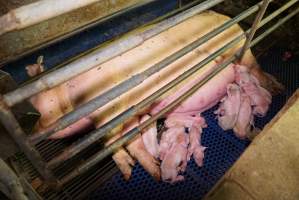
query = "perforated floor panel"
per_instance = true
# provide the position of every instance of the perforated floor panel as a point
(223, 149)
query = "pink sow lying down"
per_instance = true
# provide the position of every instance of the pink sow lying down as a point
(241, 98)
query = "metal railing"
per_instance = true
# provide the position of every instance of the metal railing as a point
(99, 56)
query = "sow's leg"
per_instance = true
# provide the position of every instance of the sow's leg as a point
(137, 150)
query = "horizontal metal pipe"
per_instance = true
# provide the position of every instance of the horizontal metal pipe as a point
(121, 12)
(125, 86)
(131, 134)
(101, 55)
(102, 131)
(39, 11)
(71, 33)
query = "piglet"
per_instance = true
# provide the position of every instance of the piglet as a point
(245, 118)
(173, 153)
(228, 110)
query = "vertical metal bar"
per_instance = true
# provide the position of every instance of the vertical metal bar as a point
(12, 126)
(254, 27)
(180, 3)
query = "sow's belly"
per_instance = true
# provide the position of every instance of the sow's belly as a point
(56, 102)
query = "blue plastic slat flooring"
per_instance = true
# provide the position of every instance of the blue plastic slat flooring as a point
(223, 150)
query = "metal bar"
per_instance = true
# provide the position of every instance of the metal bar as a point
(9, 179)
(277, 12)
(254, 27)
(99, 133)
(163, 17)
(102, 55)
(102, 131)
(274, 27)
(78, 30)
(128, 84)
(131, 134)
(39, 11)
(13, 128)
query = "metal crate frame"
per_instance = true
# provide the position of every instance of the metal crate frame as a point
(52, 79)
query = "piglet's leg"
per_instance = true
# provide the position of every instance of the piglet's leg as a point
(149, 137)
(124, 162)
(245, 118)
(149, 163)
(195, 148)
(138, 151)
(122, 159)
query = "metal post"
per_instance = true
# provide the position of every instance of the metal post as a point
(11, 181)
(14, 129)
(254, 27)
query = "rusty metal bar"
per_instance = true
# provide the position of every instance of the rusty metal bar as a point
(254, 27)
(99, 133)
(12, 126)
(102, 55)
(125, 86)
(131, 134)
